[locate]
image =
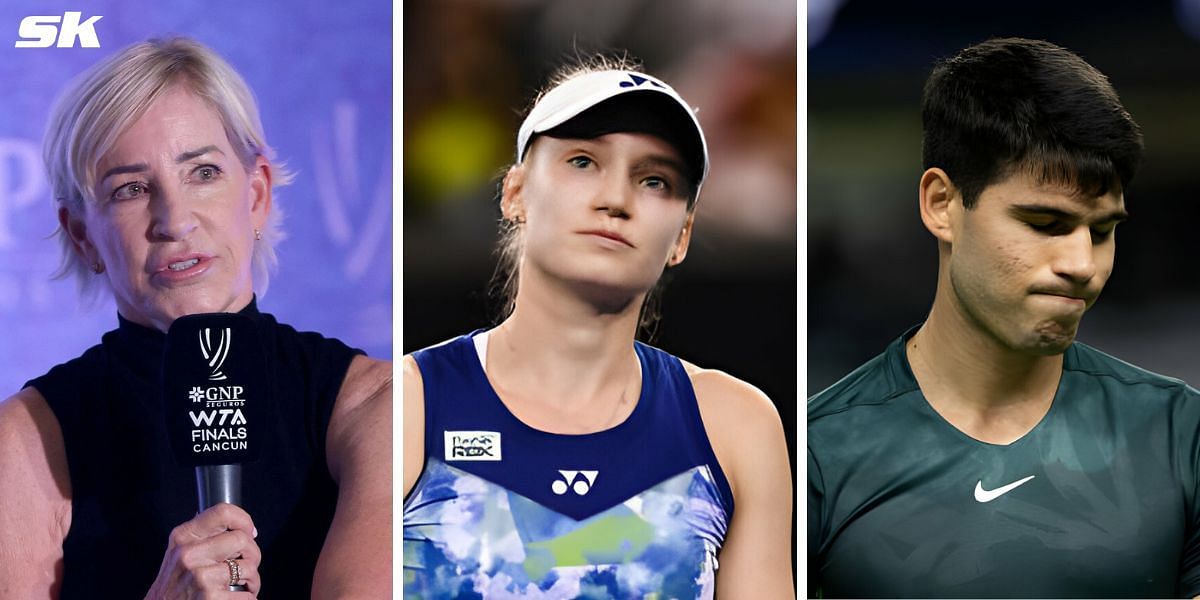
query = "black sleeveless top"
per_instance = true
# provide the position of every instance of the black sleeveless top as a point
(127, 491)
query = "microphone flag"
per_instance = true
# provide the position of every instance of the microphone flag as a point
(214, 389)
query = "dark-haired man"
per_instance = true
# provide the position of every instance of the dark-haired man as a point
(985, 452)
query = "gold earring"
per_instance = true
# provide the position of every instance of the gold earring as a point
(675, 259)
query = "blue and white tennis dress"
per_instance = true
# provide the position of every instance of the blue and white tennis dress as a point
(502, 510)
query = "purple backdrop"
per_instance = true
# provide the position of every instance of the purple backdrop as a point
(322, 74)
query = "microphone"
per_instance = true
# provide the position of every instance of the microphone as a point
(214, 395)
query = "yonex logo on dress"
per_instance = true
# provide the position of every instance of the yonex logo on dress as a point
(571, 480)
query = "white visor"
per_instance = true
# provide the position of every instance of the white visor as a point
(580, 93)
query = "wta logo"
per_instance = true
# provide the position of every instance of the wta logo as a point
(215, 355)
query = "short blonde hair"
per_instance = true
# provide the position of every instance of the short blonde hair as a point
(103, 102)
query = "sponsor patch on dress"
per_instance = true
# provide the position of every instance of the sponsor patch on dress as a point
(472, 445)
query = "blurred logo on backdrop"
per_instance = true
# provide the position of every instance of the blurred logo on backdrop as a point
(41, 31)
(21, 181)
(357, 214)
(23, 275)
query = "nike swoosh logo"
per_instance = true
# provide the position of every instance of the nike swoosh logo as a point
(982, 495)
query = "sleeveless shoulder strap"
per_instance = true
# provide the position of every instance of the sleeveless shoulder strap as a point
(676, 404)
(450, 381)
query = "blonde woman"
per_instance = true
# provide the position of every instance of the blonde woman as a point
(163, 184)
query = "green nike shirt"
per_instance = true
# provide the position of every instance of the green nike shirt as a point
(1098, 500)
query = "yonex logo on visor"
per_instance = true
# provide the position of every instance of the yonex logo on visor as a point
(638, 80)
(578, 94)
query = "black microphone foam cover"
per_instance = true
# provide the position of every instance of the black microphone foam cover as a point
(214, 389)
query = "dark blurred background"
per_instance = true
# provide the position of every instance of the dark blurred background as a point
(470, 68)
(871, 264)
